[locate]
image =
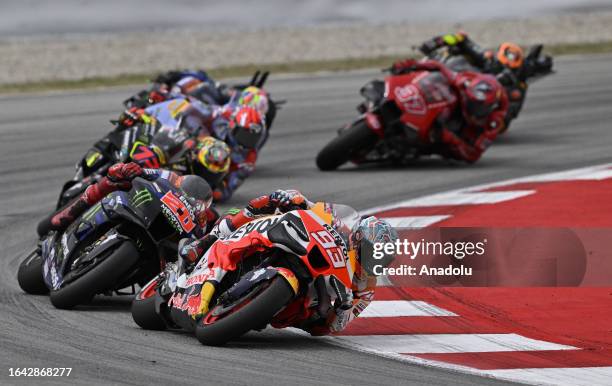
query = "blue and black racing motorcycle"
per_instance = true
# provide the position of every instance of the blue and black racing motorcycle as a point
(123, 240)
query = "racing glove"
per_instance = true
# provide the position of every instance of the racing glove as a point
(279, 199)
(130, 116)
(121, 174)
(451, 40)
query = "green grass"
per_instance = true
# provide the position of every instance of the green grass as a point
(275, 68)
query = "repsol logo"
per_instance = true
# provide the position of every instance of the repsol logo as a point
(260, 226)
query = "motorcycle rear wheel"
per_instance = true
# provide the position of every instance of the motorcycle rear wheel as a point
(342, 148)
(100, 278)
(30, 275)
(251, 314)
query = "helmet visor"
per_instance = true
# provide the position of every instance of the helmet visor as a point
(479, 109)
(248, 138)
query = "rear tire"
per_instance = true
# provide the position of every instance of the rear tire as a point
(104, 276)
(143, 309)
(258, 312)
(343, 147)
(30, 275)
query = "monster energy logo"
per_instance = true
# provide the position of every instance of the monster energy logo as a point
(141, 197)
(232, 211)
(91, 212)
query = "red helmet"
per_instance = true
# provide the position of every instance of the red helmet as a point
(482, 94)
(247, 127)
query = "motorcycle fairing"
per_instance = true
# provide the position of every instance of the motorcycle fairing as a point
(421, 96)
(57, 248)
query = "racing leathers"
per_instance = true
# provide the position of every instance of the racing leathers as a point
(118, 177)
(337, 315)
(174, 84)
(461, 138)
(186, 120)
(460, 44)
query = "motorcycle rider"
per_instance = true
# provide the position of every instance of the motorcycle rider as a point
(369, 231)
(506, 62)
(241, 126)
(120, 176)
(172, 84)
(508, 54)
(469, 130)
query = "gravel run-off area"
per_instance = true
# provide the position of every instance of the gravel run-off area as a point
(70, 57)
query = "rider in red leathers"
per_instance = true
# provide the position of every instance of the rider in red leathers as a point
(467, 132)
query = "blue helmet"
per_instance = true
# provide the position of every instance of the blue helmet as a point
(369, 232)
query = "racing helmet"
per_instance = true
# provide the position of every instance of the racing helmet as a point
(481, 96)
(510, 55)
(256, 98)
(199, 195)
(247, 127)
(369, 232)
(212, 160)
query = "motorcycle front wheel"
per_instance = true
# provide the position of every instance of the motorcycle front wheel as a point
(30, 275)
(144, 310)
(250, 312)
(103, 277)
(341, 149)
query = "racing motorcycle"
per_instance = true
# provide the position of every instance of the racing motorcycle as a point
(396, 121)
(160, 127)
(280, 283)
(121, 241)
(162, 130)
(397, 116)
(212, 94)
(534, 67)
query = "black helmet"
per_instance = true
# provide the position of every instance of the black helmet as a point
(199, 194)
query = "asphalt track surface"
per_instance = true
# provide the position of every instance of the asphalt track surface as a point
(565, 124)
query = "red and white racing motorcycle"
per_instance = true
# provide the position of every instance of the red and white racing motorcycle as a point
(281, 270)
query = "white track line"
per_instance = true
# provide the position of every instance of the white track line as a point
(451, 343)
(408, 222)
(575, 376)
(559, 376)
(396, 308)
(463, 198)
(597, 172)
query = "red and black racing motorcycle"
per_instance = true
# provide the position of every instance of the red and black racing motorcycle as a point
(395, 122)
(397, 116)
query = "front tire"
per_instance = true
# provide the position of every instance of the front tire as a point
(143, 308)
(342, 148)
(30, 275)
(105, 276)
(257, 312)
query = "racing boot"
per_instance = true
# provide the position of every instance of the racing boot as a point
(119, 176)
(61, 220)
(206, 294)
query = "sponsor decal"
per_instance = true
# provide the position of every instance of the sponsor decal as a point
(333, 245)
(92, 212)
(141, 197)
(412, 100)
(196, 279)
(178, 212)
(260, 226)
